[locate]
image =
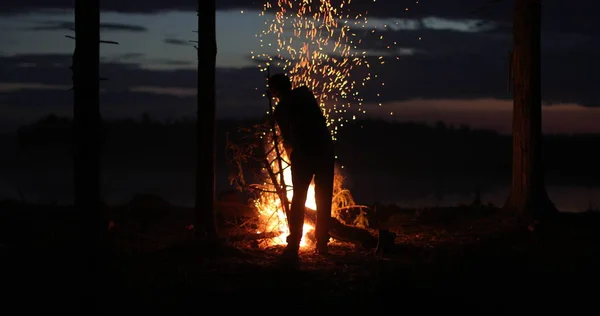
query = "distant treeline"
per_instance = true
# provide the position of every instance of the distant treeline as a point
(407, 149)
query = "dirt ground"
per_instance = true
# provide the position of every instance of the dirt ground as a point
(470, 260)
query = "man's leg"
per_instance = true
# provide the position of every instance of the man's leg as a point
(324, 194)
(301, 178)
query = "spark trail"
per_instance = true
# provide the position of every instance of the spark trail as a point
(317, 43)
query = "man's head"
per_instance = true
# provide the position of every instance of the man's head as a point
(279, 84)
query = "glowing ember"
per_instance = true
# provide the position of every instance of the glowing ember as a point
(317, 44)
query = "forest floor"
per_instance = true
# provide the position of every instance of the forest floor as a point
(464, 259)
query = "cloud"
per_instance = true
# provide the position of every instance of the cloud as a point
(175, 41)
(178, 92)
(12, 87)
(490, 114)
(449, 72)
(140, 59)
(129, 56)
(437, 60)
(456, 64)
(35, 85)
(488, 40)
(467, 9)
(65, 25)
(171, 62)
(480, 75)
(445, 51)
(557, 15)
(380, 8)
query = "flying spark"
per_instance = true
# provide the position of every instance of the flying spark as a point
(317, 43)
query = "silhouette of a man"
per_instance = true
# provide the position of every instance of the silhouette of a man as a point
(309, 146)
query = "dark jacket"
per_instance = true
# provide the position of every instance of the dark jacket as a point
(302, 123)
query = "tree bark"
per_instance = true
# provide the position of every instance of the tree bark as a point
(206, 228)
(528, 194)
(86, 129)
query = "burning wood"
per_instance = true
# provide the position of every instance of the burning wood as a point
(274, 193)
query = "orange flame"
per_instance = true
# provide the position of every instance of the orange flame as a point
(271, 214)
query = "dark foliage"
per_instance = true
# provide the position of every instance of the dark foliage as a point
(407, 149)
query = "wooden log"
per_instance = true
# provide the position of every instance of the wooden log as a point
(337, 230)
(358, 236)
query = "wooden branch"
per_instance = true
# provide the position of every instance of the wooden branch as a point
(265, 235)
(281, 192)
(347, 207)
(263, 190)
(281, 184)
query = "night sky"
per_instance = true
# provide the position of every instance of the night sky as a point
(453, 61)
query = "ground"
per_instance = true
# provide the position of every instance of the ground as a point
(466, 259)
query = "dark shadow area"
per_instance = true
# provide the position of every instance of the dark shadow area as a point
(464, 258)
(408, 163)
(469, 259)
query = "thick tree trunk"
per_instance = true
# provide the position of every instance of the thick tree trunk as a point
(528, 194)
(206, 228)
(86, 129)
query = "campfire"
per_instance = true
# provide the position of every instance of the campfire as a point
(271, 212)
(273, 192)
(317, 45)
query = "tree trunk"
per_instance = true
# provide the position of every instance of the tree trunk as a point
(528, 194)
(86, 129)
(206, 228)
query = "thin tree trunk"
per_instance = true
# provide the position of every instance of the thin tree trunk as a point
(528, 194)
(206, 228)
(86, 128)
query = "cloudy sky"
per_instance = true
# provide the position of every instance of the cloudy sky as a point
(452, 60)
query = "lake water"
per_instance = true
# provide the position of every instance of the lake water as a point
(55, 186)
